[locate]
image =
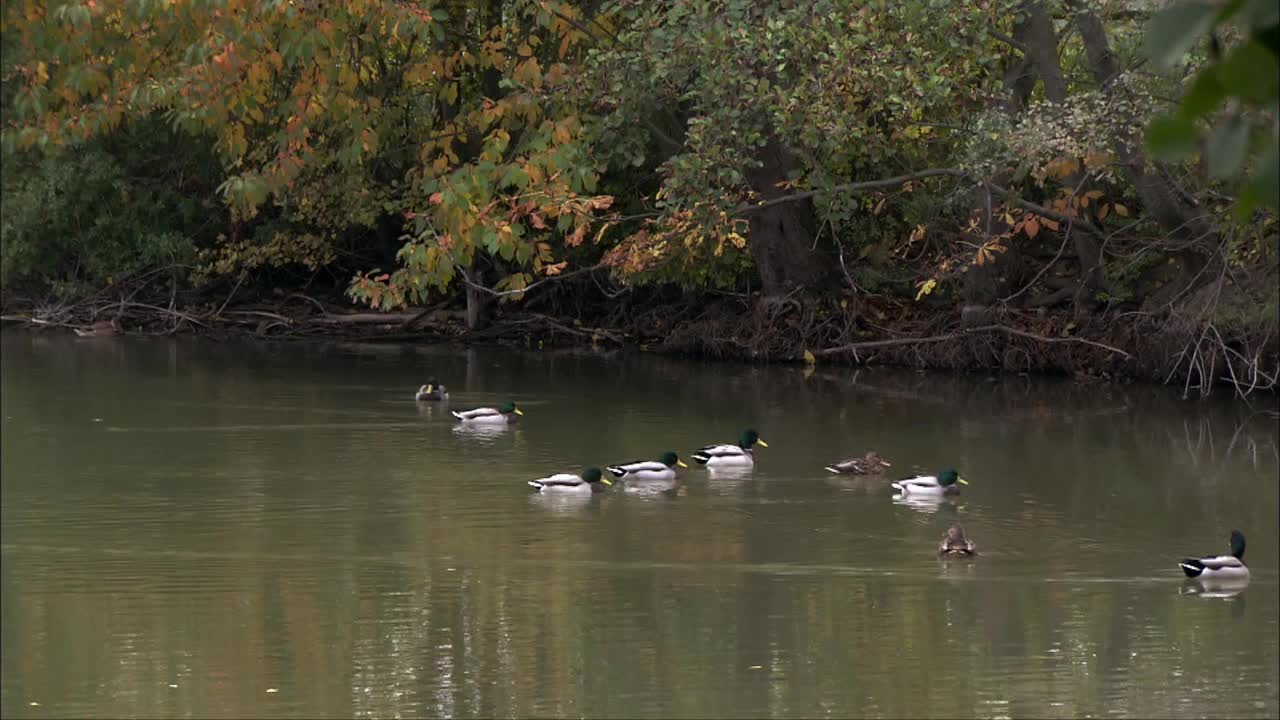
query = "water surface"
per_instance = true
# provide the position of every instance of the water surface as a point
(194, 529)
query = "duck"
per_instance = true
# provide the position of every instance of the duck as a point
(590, 481)
(869, 464)
(502, 415)
(1220, 567)
(944, 483)
(431, 391)
(730, 455)
(954, 542)
(101, 328)
(649, 474)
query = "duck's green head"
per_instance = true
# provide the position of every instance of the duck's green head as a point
(509, 407)
(1237, 544)
(669, 459)
(593, 475)
(749, 438)
(950, 477)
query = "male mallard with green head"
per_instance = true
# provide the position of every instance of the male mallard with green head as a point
(954, 542)
(944, 483)
(731, 455)
(590, 481)
(431, 391)
(502, 415)
(869, 464)
(661, 470)
(1219, 567)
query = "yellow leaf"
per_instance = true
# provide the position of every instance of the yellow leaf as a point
(1103, 210)
(809, 358)
(1121, 210)
(926, 287)
(1032, 227)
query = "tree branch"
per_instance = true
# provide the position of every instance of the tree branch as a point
(920, 175)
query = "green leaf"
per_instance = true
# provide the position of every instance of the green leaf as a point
(1264, 187)
(1172, 138)
(1175, 30)
(1227, 147)
(1251, 72)
(1204, 96)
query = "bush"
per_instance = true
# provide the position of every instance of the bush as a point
(78, 219)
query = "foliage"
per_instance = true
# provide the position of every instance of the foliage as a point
(416, 147)
(852, 90)
(80, 220)
(1242, 141)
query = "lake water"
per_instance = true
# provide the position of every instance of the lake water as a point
(193, 529)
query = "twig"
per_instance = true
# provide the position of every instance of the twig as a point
(231, 294)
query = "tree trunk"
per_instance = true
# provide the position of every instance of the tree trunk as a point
(1040, 43)
(477, 304)
(782, 236)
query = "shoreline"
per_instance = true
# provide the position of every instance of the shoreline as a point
(1121, 348)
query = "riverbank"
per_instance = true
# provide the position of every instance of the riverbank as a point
(1173, 347)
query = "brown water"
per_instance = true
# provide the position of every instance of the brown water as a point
(194, 529)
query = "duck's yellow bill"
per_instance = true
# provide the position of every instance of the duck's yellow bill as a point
(962, 481)
(606, 481)
(430, 388)
(518, 411)
(762, 443)
(681, 463)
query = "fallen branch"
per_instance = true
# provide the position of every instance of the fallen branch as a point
(871, 344)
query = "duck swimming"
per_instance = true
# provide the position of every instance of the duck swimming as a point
(661, 470)
(590, 481)
(869, 464)
(944, 483)
(1219, 567)
(954, 542)
(502, 415)
(731, 455)
(431, 391)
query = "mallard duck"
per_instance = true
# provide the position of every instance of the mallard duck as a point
(503, 414)
(730, 455)
(943, 484)
(431, 391)
(1220, 567)
(954, 542)
(662, 469)
(869, 464)
(590, 481)
(102, 328)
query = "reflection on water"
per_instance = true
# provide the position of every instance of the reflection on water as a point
(280, 531)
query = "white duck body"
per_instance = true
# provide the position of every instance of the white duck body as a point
(724, 456)
(486, 416)
(569, 484)
(643, 470)
(921, 485)
(945, 483)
